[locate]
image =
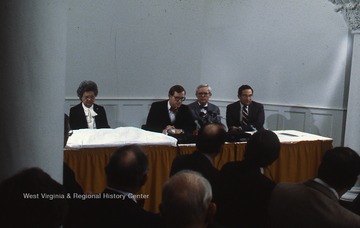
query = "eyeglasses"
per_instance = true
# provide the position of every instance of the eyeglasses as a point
(89, 98)
(180, 98)
(203, 94)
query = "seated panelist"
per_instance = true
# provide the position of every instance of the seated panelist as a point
(202, 110)
(245, 114)
(171, 116)
(87, 114)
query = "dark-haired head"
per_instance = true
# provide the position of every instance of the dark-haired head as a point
(263, 148)
(211, 138)
(339, 168)
(87, 86)
(127, 169)
(244, 87)
(176, 88)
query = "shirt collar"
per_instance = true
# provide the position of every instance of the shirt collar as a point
(85, 108)
(168, 105)
(123, 193)
(204, 105)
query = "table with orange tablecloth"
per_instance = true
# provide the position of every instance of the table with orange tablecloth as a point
(298, 161)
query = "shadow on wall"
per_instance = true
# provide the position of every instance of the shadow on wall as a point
(296, 118)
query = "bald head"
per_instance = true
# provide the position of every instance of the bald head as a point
(127, 168)
(186, 199)
(211, 138)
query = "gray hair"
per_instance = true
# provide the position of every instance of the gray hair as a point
(202, 86)
(186, 198)
(86, 86)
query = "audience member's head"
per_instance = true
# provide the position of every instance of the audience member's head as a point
(186, 200)
(32, 198)
(340, 168)
(127, 169)
(211, 138)
(263, 148)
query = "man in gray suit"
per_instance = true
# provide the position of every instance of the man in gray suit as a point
(315, 203)
(202, 110)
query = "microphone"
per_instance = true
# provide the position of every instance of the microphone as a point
(212, 114)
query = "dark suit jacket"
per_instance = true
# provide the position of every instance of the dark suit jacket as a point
(77, 117)
(213, 113)
(308, 204)
(256, 115)
(199, 163)
(245, 195)
(119, 213)
(158, 118)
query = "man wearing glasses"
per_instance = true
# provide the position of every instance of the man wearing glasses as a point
(171, 116)
(245, 114)
(204, 112)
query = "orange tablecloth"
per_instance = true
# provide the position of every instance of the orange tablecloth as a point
(297, 162)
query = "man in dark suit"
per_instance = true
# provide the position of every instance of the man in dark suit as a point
(315, 203)
(245, 114)
(119, 205)
(245, 191)
(209, 143)
(171, 116)
(202, 110)
(87, 114)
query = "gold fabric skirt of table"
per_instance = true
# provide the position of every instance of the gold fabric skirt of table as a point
(297, 162)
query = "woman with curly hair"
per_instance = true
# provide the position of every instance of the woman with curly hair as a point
(87, 114)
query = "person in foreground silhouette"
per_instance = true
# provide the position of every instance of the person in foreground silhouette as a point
(119, 204)
(31, 198)
(244, 192)
(209, 143)
(186, 201)
(315, 203)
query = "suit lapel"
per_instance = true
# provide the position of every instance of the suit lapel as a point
(166, 112)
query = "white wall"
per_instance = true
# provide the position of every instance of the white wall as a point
(292, 52)
(32, 86)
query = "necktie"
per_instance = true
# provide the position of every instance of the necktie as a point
(245, 116)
